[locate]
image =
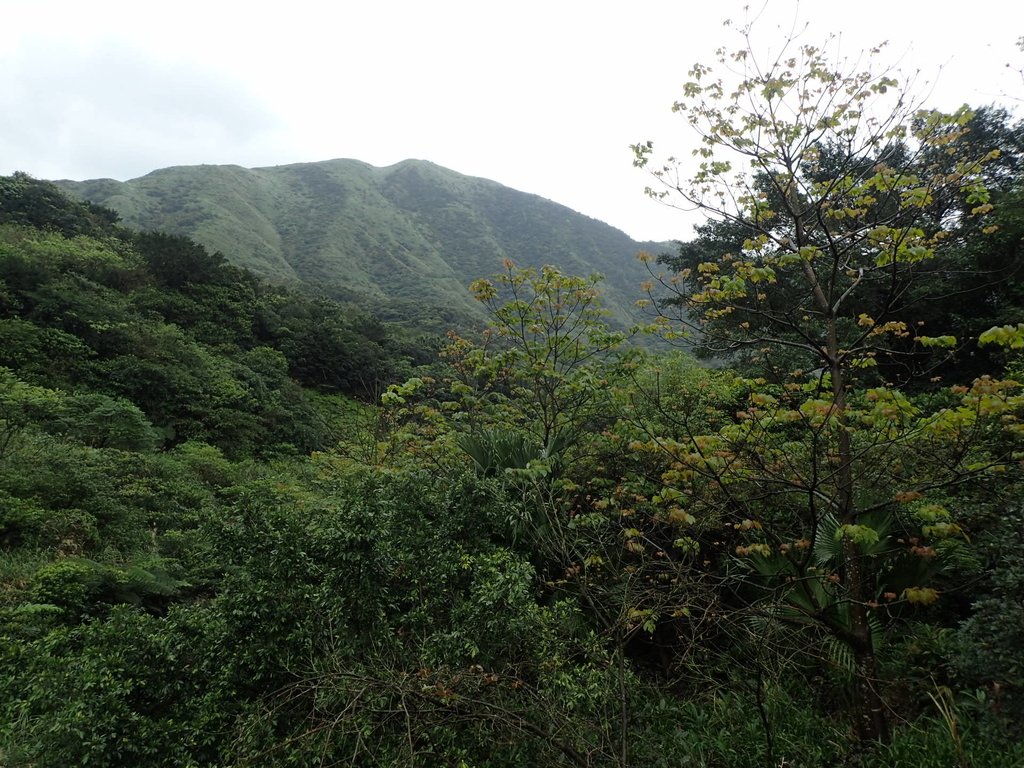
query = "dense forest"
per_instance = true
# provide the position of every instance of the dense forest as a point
(244, 525)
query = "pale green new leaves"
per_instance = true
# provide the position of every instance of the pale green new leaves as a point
(1004, 336)
(862, 535)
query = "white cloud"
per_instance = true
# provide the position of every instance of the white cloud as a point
(116, 111)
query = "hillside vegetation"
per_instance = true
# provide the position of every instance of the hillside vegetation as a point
(401, 242)
(240, 526)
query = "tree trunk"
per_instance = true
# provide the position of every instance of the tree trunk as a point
(868, 707)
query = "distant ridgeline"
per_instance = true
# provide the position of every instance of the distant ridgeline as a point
(401, 242)
(128, 339)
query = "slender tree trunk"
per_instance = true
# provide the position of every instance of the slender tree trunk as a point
(869, 709)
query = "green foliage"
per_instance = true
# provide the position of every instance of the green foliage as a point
(987, 656)
(77, 586)
(553, 327)
(383, 590)
(975, 261)
(494, 451)
(169, 334)
(24, 200)
(22, 404)
(101, 421)
(131, 689)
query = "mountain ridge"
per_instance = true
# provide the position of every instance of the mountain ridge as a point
(402, 241)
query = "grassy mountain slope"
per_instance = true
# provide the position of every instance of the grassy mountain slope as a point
(402, 241)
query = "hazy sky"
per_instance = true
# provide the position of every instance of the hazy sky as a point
(541, 96)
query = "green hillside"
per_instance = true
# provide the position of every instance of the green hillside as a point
(402, 242)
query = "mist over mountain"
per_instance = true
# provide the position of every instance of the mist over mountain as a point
(402, 242)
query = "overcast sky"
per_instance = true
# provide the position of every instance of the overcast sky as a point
(541, 96)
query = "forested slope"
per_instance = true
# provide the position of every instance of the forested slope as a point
(401, 242)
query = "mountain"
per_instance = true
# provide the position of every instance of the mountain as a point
(402, 242)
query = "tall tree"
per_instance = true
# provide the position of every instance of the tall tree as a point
(831, 174)
(553, 325)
